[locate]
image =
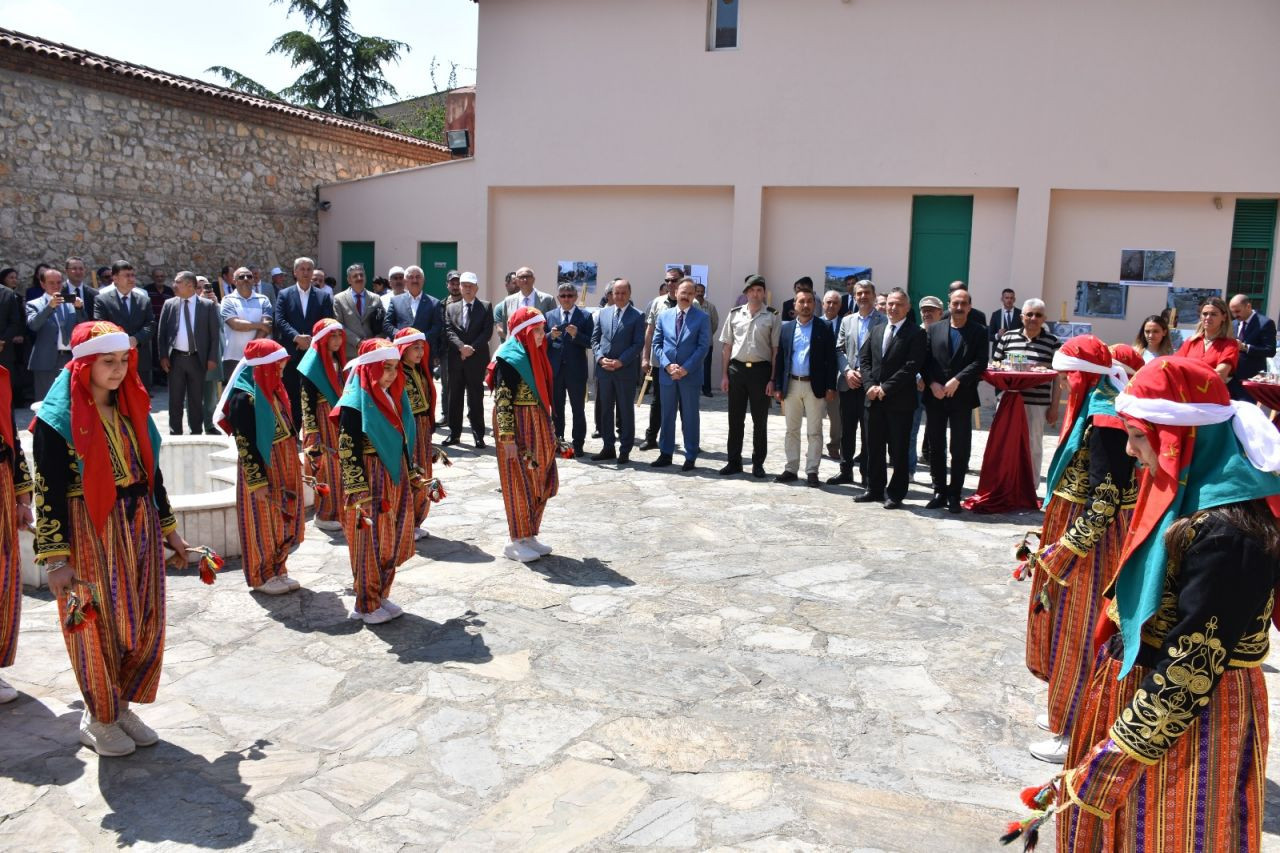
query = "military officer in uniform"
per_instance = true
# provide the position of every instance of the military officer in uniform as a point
(750, 340)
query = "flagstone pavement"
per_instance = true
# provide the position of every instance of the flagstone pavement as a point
(704, 663)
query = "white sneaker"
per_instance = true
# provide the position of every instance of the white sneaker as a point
(328, 525)
(532, 543)
(520, 552)
(290, 582)
(277, 585)
(377, 617)
(138, 731)
(1053, 750)
(1042, 720)
(391, 607)
(106, 739)
(420, 533)
(7, 692)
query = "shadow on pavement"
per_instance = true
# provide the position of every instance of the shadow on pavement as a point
(571, 572)
(413, 639)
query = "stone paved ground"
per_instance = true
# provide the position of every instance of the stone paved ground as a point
(704, 663)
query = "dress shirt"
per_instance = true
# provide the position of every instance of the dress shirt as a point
(304, 298)
(752, 337)
(864, 326)
(889, 332)
(181, 341)
(526, 301)
(800, 340)
(1241, 325)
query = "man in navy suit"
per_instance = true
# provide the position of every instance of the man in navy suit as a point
(568, 339)
(298, 308)
(804, 379)
(51, 319)
(414, 308)
(681, 340)
(617, 340)
(889, 360)
(129, 307)
(957, 358)
(1008, 318)
(1257, 337)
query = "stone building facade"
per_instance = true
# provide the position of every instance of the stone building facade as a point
(107, 160)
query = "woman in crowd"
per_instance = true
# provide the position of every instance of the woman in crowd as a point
(1091, 492)
(321, 381)
(415, 355)
(1213, 342)
(15, 515)
(520, 377)
(254, 410)
(103, 522)
(376, 435)
(1153, 338)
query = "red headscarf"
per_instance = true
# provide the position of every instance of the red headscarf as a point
(320, 343)
(368, 376)
(88, 434)
(269, 377)
(1128, 356)
(418, 338)
(1071, 357)
(521, 326)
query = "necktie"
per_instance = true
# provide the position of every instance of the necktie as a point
(679, 323)
(128, 308)
(1240, 324)
(888, 338)
(360, 304)
(1008, 319)
(62, 329)
(186, 324)
(466, 314)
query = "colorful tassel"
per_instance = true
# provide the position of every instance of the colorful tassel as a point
(435, 490)
(81, 611)
(438, 455)
(564, 449)
(211, 563)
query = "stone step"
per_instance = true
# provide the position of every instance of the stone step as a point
(223, 477)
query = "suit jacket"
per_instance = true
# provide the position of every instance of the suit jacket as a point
(268, 290)
(13, 324)
(822, 358)
(44, 331)
(895, 369)
(544, 302)
(357, 326)
(429, 320)
(997, 327)
(566, 354)
(847, 355)
(620, 337)
(687, 349)
(1259, 333)
(204, 328)
(88, 295)
(966, 364)
(291, 320)
(475, 333)
(139, 324)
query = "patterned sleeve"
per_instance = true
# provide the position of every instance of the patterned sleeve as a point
(1225, 581)
(21, 475)
(54, 458)
(504, 401)
(241, 416)
(351, 456)
(309, 395)
(1110, 477)
(168, 523)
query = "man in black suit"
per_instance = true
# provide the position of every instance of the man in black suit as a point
(617, 338)
(953, 369)
(79, 287)
(889, 360)
(804, 379)
(1257, 337)
(468, 325)
(298, 308)
(187, 338)
(13, 332)
(975, 316)
(789, 307)
(413, 307)
(1008, 317)
(568, 340)
(129, 308)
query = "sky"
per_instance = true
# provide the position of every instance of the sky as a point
(185, 37)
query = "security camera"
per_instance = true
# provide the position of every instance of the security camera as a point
(326, 204)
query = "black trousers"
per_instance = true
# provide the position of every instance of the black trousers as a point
(443, 405)
(948, 482)
(575, 388)
(466, 383)
(293, 387)
(853, 413)
(747, 391)
(186, 384)
(706, 371)
(887, 430)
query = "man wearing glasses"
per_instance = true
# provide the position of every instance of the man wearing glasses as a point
(1037, 345)
(525, 296)
(666, 299)
(246, 315)
(568, 339)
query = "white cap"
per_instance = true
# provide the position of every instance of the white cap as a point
(277, 271)
(395, 271)
(469, 278)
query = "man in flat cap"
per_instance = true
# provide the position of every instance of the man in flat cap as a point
(749, 340)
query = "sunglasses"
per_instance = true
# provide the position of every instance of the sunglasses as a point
(1031, 314)
(524, 276)
(243, 277)
(568, 296)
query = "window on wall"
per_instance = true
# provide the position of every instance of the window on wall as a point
(722, 26)
(1253, 237)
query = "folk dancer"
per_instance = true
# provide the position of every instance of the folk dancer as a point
(104, 519)
(15, 515)
(255, 411)
(321, 385)
(415, 359)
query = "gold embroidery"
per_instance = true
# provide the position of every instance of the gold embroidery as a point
(505, 414)
(525, 396)
(417, 393)
(284, 429)
(1252, 648)
(1074, 485)
(254, 478)
(308, 413)
(353, 479)
(1090, 527)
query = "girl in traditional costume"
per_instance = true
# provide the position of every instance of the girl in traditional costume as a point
(321, 379)
(376, 434)
(104, 519)
(15, 515)
(415, 355)
(520, 377)
(254, 409)
(1169, 752)
(1091, 495)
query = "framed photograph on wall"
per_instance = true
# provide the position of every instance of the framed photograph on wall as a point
(1147, 267)
(578, 273)
(834, 277)
(1104, 299)
(1187, 302)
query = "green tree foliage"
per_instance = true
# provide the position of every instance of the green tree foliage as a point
(429, 118)
(341, 69)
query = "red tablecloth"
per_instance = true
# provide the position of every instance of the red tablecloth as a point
(1266, 393)
(1006, 482)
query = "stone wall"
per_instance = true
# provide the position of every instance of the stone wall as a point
(164, 178)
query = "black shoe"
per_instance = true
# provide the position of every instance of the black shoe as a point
(604, 455)
(786, 477)
(730, 469)
(479, 442)
(844, 478)
(867, 499)
(938, 502)
(624, 458)
(892, 504)
(757, 471)
(706, 393)
(648, 444)
(687, 466)
(953, 506)
(577, 450)
(811, 480)
(595, 434)
(451, 441)
(662, 461)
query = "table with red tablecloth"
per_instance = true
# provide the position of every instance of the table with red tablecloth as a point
(1006, 482)
(1266, 393)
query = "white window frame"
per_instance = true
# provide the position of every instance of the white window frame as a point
(711, 27)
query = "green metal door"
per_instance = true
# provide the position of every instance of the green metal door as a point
(357, 252)
(436, 259)
(941, 229)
